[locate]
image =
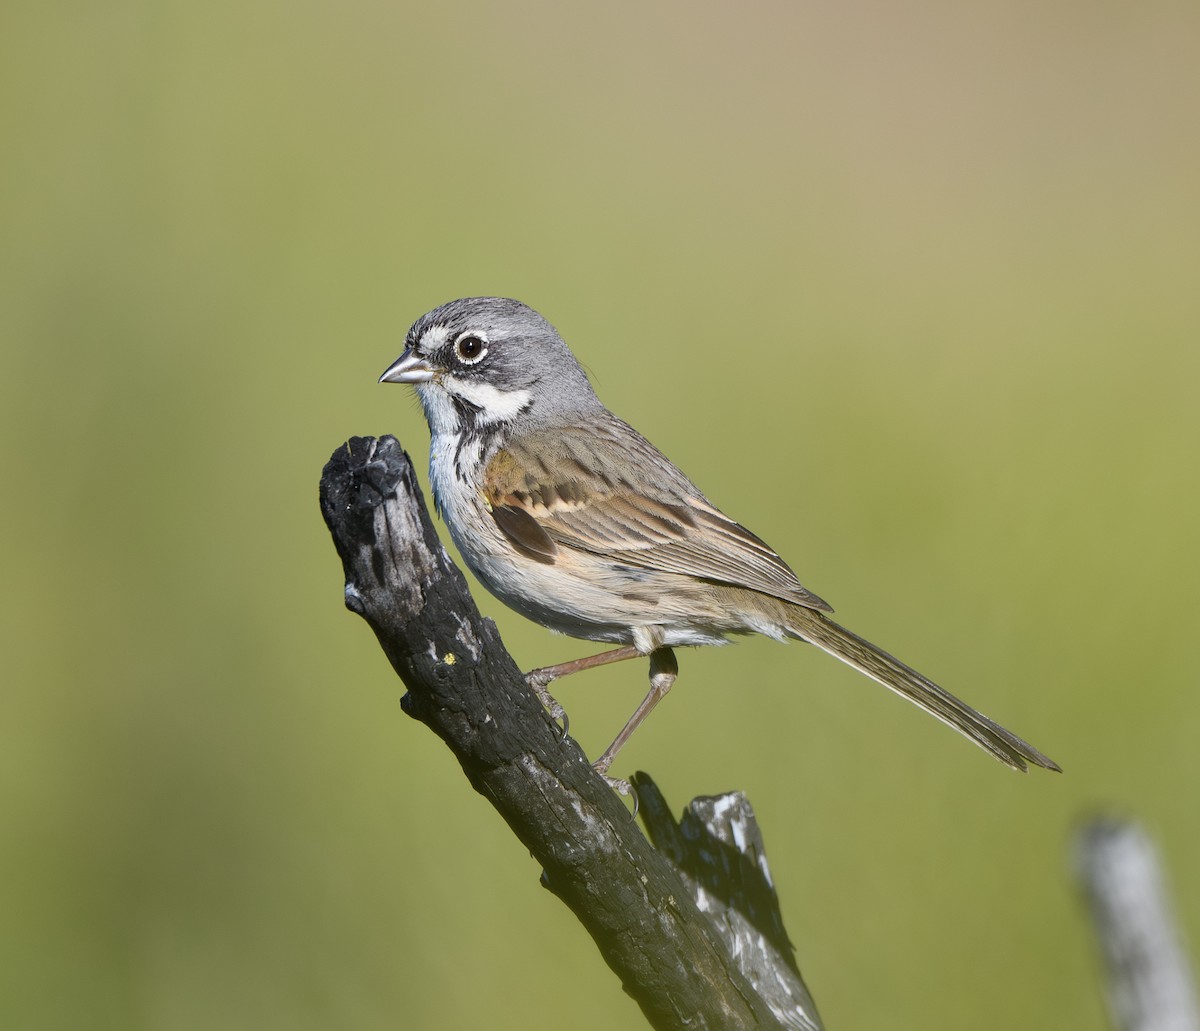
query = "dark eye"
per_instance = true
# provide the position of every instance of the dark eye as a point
(470, 348)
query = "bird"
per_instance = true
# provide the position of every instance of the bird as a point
(571, 517)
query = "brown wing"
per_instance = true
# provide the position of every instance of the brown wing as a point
(606, 490)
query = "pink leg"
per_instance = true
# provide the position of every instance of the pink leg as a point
(540, 679)
(547, 674)
(663, 671)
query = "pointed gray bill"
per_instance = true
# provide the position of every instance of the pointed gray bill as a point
(408, 368)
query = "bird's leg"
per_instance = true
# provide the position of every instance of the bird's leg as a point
(547, 674)
(540, 679)
(663, 671)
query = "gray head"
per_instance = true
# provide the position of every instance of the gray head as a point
(483, 361)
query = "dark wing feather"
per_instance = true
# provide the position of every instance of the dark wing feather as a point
(606, 490)
(526, 533)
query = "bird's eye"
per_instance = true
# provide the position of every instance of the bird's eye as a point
(470, 348)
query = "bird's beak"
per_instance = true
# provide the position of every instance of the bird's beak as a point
(408, 368)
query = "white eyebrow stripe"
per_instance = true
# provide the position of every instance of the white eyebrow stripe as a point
(433, 338)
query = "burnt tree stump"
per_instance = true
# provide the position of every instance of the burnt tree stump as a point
(691, 929)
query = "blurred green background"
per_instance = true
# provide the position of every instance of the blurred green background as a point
(910, 290)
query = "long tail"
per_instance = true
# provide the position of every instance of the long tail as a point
(812, 626)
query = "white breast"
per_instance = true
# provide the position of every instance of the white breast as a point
(454, 495)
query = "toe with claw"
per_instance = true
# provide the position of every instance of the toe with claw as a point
(539, 682)
(621, 787)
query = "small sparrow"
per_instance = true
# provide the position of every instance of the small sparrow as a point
(574, 519)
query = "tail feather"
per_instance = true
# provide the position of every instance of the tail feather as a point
(889, 671)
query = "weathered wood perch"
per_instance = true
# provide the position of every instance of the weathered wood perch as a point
(1148, 974)
(723, 963)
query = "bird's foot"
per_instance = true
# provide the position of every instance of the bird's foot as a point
(539, 681)
(621, 787)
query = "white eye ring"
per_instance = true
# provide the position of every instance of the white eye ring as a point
(470, 347)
